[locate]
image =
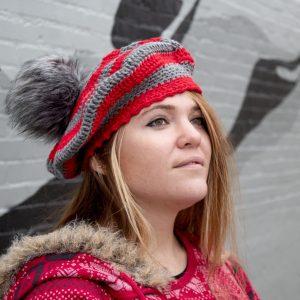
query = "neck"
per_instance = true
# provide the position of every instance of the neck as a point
(165, 247)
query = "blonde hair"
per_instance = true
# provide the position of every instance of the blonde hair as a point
(107, 200)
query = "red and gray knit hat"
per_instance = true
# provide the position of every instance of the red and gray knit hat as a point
(126, 81)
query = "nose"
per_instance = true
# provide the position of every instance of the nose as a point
(189, 135)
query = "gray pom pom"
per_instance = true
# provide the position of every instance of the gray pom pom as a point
(43, 95)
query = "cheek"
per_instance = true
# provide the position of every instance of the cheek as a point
(206, 147)
(141, 160)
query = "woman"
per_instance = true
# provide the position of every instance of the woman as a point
(152, 215)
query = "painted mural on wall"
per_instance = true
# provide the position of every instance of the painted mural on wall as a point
(264, 78)
(33, 214)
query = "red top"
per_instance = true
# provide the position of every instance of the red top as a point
(83, 276)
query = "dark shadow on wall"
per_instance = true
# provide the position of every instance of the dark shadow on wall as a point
(266, 91)
(135, 20)
(38, 213)
(185, 25)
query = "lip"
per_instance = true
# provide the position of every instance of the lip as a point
(195, 161)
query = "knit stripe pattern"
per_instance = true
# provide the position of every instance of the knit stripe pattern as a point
(126, 81)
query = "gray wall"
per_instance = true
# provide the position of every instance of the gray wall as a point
(248, 63)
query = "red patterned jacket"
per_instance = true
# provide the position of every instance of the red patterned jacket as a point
(82, 262)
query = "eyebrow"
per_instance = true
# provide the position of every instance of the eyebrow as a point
(168, 107)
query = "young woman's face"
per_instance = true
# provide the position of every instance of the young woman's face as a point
(165, 154)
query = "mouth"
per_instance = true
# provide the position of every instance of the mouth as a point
(193, 162)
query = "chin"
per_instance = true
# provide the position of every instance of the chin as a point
(190, 198)
(193, 196)
(195, 191)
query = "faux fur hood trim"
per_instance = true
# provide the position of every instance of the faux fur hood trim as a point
(81, 237)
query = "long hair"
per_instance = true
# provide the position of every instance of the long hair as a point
(105, 199)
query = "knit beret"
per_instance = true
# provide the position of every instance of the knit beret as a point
(126, 80)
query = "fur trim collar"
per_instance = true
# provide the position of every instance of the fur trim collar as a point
(97, 241)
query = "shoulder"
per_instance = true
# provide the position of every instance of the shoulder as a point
(69, 239)
(90, 246)
(54, 275)
(241, 277)
(229, 277)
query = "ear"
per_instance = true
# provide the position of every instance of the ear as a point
(97, 166)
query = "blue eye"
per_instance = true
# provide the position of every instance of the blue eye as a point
(159, 122)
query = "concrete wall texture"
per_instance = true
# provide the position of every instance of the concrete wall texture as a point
(248, 62)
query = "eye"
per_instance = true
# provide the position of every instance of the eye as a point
(199, 121)
(159, 122)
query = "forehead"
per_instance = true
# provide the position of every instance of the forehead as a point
(180, 101)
